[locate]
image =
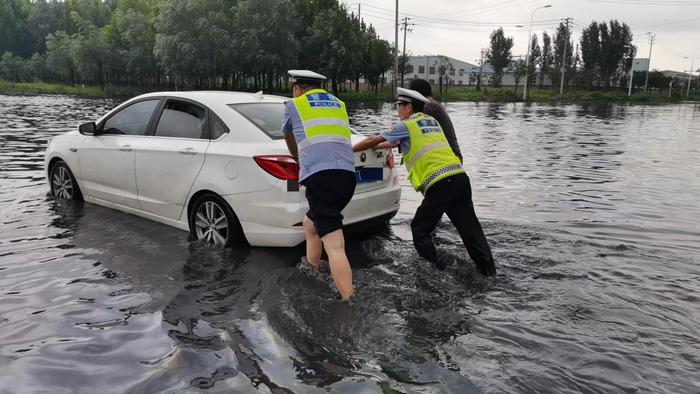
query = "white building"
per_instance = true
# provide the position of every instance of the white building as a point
(457, 72)
(640, 64)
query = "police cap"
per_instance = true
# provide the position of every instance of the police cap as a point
(306, 77)
(408, 95)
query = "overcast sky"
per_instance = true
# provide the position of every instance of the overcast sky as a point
(460, 28)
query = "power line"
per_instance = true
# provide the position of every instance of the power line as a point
(378, 17)
(491, 8)
(441, 20)
(670, 23)
(475, 29)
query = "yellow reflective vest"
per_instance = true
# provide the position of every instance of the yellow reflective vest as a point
(430, 157)
(324, 118)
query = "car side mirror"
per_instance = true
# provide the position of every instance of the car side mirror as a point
(88, 128)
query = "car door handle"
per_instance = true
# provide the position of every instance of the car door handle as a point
(126, 148)
(187, 151)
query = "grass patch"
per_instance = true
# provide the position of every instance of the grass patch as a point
(382, 95)
(35, 88)
(548, 95)
(32, 88)
(487, 93)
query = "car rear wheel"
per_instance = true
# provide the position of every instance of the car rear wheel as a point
(63, 184)
(213, 222)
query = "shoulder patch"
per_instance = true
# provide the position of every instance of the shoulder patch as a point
(322, 100)
(428, 126)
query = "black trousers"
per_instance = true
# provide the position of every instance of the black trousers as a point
(452, 195)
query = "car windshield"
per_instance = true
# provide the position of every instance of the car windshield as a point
(266, 116)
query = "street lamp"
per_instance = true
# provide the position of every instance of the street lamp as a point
(527, 54)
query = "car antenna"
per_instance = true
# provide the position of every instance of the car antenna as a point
(259, 95)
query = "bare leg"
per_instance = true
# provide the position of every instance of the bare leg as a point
(334, 243)
(314, 247)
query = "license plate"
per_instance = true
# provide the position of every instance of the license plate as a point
(369, 174)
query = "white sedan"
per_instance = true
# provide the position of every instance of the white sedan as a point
(211, 163)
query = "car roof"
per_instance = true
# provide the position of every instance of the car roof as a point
(217, 97)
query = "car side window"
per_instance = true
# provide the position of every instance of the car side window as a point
(218, 128)
(181, 119)
(132, 120)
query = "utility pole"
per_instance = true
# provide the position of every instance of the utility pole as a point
(394, 83)
(690, 74)
(405, 29)
(563, 55)
(629, 88)
(359, 11)
(651, 44)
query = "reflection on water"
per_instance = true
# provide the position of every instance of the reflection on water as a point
(590, 210)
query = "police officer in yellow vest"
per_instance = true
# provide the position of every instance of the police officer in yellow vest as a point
(436, 172)
(316, 129)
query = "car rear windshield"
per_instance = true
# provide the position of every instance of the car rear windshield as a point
(266, 116)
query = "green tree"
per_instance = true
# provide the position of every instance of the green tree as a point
(193, 40)
(329, 41)
(12, 67)
(657, 80)
(498, 55)
(358, 45)
(188, 43)
(37, 68)
(46, 17)
(88, 49)
(615, 47)
(130, 36)
(534, 59)
(266, 40)
(562, 39)
(59, 56)
(590, 53)
(442, 65)
(547, 57)
(15, 33)
(518, 68)
(97, 12)
(379, 59)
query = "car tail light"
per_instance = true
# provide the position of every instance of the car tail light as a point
(281, 167)
(390, 160)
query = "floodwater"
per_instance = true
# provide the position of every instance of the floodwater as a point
(592, 213)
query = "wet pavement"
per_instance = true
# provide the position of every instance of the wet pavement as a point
(591, 212)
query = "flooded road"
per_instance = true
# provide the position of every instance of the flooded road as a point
(591, 211)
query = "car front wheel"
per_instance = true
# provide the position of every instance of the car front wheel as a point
(213, 222)
(63, 184)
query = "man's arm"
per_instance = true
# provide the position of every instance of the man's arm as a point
(288, 129)
(368, 142)
(291, 144)
(386, 145)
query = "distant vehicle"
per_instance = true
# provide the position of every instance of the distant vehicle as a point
(211, 163)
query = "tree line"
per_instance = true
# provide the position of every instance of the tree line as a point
(187, 44)
(601, 59)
